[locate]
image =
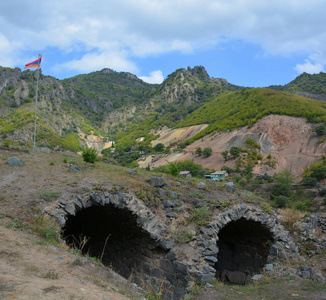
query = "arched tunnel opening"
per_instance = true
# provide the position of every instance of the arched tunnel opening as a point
(243, 250)
(115, 236)
(112, 235)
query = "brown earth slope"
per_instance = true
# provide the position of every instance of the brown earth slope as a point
(291, 141)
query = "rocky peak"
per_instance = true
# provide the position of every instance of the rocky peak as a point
(9, 77)
(199, 72)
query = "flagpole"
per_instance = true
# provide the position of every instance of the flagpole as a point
(38, 75)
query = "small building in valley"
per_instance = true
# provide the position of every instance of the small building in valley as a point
(185, 174)
(218, 175)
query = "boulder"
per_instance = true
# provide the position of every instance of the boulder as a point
(202, 186)
(15, 162)
(157, 181)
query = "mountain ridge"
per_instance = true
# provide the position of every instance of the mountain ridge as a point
(113, 104)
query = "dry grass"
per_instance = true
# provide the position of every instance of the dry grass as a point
(289, 217)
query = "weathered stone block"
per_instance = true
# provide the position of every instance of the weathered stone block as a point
(181, 268)
(168, 203)
(202, 185)
(95, 199)
(70, 209)
(156, 272)
(202, 278)
(162, 193)
(157, 181)
(167, 265)
(15, 162)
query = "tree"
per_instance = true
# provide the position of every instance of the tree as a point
(199, 151)
(318, 172)
(225, 154)
(320, 130)
(235, 151)
(284, 179)
(159, 147)
(207, 151)
(89, 155)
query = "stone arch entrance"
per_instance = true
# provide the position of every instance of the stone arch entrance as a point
(237, 243)
(112, 235)
(243, 250)
(119, 229)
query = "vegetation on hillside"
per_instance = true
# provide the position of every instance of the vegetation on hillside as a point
(246, 107)
(309, 83)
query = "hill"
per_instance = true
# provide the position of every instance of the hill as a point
(106, 105)
(105, 102)
(306, 85)
(246, 107)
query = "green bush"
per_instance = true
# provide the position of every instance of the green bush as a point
(309, 181)
(207, 151)
(235, 151)
(319, 172)
(90, 155)
(303, 205)
(281, 201)
(159, 147)
(251, 144)
(199, 151)
(320, 130)
(322, 192)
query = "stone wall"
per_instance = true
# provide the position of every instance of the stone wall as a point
(121, 231)
(130, 238)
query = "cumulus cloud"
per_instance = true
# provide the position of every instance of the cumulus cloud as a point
(97, 61)
(124, 30)
(309, 67)
(154, 77)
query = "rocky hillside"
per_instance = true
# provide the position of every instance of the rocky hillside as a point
(291, 142)
(96, 108)
(306, 85)
(105, 101)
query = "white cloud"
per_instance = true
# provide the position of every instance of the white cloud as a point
(154, 77)
(309, 67)
(122, 30)
(97, 61)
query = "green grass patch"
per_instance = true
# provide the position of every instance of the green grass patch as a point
(49, 195)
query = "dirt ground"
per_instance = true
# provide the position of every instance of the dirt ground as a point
(32, 268)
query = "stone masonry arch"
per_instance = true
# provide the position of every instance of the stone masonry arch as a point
(125, 234)
(237, 243)
(139, 247)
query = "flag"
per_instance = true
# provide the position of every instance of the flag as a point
(34, 64)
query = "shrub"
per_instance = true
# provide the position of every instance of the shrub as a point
(309, 181)
(202, 215)
(159, 147)
(207, 151)
(284, 179)
(90, 155)
(134, 164)
(320, 130)
(251, 144)
(318, 172)
(235, 151)
(281, 201)
(322, 192)
(173, 169)
(302, 206)
(225, 154)
(199, 151)
(289, 217)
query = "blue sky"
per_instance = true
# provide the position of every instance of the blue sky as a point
(248, 42)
